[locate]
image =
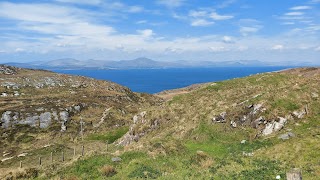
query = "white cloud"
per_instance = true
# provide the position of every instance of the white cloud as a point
(91, 2)
(135, 9)
(296, 13)
(317, 48)
(201, 22)
(19, 50)
(288, 23)
(297, 8)
(171, 3)
(146, 32)
(226, 3)
(197, 14)
(227, 39)
(248, 30)
(218, 49)
(142, 22)
(218, 17)
(277, 47)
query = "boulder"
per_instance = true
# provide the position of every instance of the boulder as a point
(233, 124)
(286, 136)
(116, 159)
(6, 119)
(64, 116)
(299, 114)
(221, 118)
(268, 129)
(45, 119)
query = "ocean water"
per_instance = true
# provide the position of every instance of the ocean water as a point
(156, 80)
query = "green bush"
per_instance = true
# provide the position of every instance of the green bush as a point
(145, 172)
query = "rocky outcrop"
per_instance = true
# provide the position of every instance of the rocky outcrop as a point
(274, 126)
(39, 117)
(8, 70)
(140, 127)
(221, 118)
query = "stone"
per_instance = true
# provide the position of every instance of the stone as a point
(299, 114)
(284, 136)
(143, 114)
(6, 119)
(221, 118)
(243, 141)
(77, 108)
(268, 129)
(135, 119)
(64, 116)
(233, 124)
(257, 122)
(278, 177)
(63, 126)
(116, 159)
(277, 126)
(256, 108)
(4, 94)
(45, 119)
(314, 95)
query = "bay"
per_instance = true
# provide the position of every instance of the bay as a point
(157, 80)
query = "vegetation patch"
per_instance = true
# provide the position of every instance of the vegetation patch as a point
(145, 172)
(110, 136)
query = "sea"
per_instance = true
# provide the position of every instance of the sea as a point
(157, 80)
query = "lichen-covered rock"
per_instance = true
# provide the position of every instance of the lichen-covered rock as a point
(221, 118)
(274, 126)
(299, 114)
(45, 119)
(6, 119)
(64, 116)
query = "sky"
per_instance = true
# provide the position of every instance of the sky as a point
(164, 30)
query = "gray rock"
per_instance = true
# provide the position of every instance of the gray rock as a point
(243, 141)
(77, 108)
(268, 129)
(55, 115)
(233, 124)
(31, 121)
(6, 119)
(286, 136)
(135, 119)
(45, 119)
(299, 114)
(221, 118)
(4, 95)
(64, 116)
(63, 126)
(116, 159)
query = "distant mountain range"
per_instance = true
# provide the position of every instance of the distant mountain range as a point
(140, 63)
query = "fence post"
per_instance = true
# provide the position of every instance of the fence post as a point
(20, 164)
(62, 156)
(82, 153)
(294, 174)
(40, 161)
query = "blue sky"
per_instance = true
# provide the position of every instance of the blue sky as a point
(166, 30)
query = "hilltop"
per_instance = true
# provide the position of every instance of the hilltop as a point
(257, 127)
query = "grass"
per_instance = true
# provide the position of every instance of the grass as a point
(110, 136)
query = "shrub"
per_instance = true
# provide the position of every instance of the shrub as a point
(108, 171)
(145, 172)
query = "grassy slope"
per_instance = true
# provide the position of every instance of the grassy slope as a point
(189, 146)
(97, 95)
